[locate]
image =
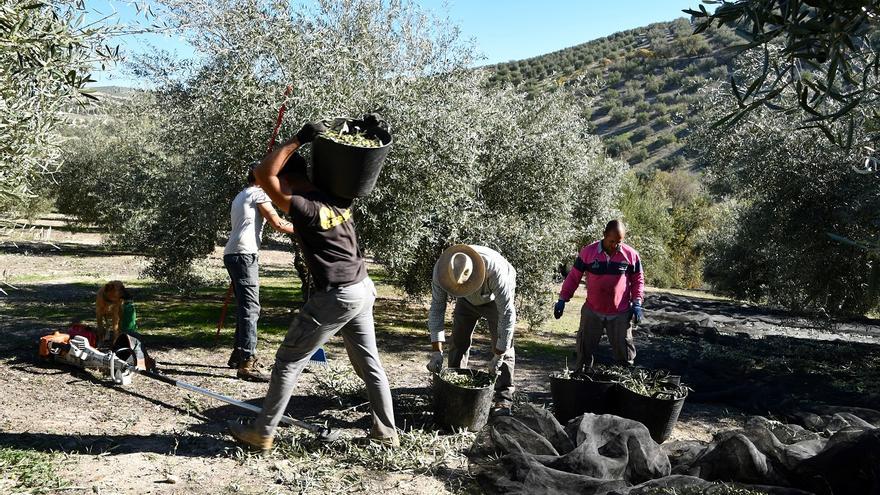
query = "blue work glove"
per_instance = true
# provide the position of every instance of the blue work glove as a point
(638, 314)
(558, 309)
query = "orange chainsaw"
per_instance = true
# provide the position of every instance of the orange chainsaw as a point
(119, 364)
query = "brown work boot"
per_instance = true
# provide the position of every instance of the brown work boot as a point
(247, 436)
(248, 371)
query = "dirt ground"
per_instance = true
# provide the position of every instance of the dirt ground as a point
(153, 438)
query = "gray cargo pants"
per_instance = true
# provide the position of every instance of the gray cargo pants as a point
(243, 269)
(348, 310)
(464, 321)
(619, 330)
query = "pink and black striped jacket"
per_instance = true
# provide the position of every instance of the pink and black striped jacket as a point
(612, 281)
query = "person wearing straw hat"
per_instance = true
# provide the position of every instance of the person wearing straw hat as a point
(484, 284)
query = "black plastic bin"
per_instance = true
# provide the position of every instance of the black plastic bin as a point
(578, 395)
(461, 407)
(658, 415)
(348, 171)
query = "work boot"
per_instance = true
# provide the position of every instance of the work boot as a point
(383, 441)
(386, 441)
(248, 436)
(234, 359)
(248, 371)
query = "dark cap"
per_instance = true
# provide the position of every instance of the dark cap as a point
(295, 165)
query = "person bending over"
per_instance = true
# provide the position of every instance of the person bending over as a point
(484, 285)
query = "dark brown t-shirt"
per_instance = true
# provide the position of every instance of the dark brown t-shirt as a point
(326, 231)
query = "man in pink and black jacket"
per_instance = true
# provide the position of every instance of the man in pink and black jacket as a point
(615, 288)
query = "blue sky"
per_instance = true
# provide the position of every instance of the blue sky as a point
(516, 29)
(503, 29)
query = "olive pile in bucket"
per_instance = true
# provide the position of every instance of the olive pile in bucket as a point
(466, 380)
(353, 137)
(650, 383)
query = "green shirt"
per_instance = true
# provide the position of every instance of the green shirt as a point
(128, 322)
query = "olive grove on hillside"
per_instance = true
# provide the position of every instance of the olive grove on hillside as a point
(469, 164)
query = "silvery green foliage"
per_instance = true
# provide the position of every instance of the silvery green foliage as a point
(787, 189)
(826, 53)
(46, 53)
(668, 216)
(469, 164)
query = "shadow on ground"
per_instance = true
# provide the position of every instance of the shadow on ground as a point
(770, 374)
(63, 249)
(167, 320)
(188, 446)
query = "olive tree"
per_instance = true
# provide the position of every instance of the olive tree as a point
(669, 216)
(826, 53)
(46, 54)
(785, 192)
(469, 164)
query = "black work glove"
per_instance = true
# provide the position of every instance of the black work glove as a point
(373, 120)
(309, 131)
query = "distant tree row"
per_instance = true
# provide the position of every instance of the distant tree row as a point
(625, 52)
(642, 82)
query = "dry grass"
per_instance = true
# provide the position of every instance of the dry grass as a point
(338, 381)
(304, 465)
(29, 471)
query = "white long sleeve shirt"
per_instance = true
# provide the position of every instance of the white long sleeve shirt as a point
(499, 286)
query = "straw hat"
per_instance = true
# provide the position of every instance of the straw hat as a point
(460, 270)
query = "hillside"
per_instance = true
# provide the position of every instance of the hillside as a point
(88, 113)
(645, 82)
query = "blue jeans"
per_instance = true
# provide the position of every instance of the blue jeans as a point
(244, 271)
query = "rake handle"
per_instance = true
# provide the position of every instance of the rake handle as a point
(223, 312)
(281, 112)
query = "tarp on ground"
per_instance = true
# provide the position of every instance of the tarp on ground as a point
(604, 454)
